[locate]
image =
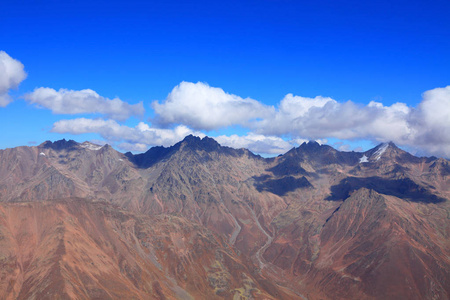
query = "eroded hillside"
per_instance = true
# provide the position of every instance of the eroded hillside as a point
(202, 221)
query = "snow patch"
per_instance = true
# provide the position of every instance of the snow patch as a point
(380, 151)
(42, 154)
(363, 159)
(120, 159)
(91, 146)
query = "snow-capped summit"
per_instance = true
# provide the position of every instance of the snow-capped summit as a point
(90, 146)
(381, 149)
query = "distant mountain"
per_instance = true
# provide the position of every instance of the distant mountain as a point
(201, 221)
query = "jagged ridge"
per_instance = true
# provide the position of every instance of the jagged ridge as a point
(314, 215)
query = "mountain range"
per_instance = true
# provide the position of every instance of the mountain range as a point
(198, 220)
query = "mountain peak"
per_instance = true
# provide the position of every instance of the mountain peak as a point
(387, 151)
(310, 145)
(195, 142)
(313, 147)
(379, 150)
(60, 145)
(191, 139)
(91, 146)
(189, 143)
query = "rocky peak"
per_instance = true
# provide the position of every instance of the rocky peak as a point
(310, 146)
(209, 145)
(324, 154)
(313, 147)
(158, 153)
(387, 152)
(60, 145)
(91, 146)
(196, 143)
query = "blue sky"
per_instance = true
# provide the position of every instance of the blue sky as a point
(243, 58)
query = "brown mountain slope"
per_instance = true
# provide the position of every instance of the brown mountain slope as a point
(82, 250)
(367, 243)
(211, 222)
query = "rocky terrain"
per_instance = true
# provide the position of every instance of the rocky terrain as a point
(201, 221)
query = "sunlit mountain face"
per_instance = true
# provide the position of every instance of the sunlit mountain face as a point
(198, 220)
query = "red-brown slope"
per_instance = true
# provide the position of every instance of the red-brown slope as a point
(224, 222)
(370, 247)
(81, 250)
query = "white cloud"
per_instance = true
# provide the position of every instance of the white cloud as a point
(133, 147)
(435, 107)
(140, 137)
(431, 122)
(84, 101)
(11, 75)
(426, 127)
(387, 123)
(202, 107)
(320, 117)
(256, 143)
(288, 116)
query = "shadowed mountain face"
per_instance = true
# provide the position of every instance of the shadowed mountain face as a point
(403, 188)
(200, 221)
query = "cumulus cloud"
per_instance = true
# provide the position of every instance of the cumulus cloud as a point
(291, 109)
(431, 122)
(133, 147)
(83, 101)
(137, 138)
(141, 137)
(426, 127)
(320, 117)
(258, 143)
(11, 75)
(200, 106)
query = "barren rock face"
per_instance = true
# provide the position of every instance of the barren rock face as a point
(202, 221)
